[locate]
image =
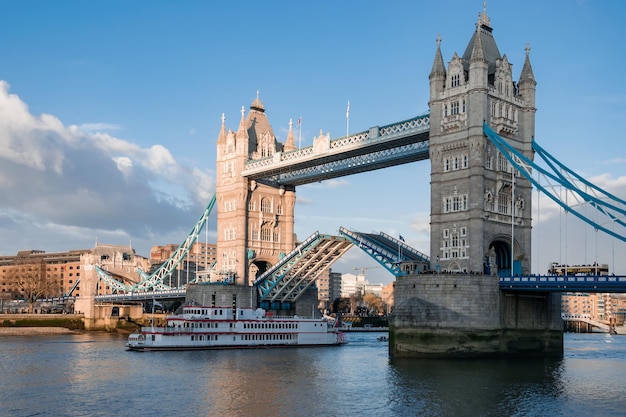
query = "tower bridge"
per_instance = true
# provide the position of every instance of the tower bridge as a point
(479, 137)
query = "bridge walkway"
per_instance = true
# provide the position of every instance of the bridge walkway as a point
(379, 147)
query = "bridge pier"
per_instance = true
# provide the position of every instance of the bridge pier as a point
(461, 315)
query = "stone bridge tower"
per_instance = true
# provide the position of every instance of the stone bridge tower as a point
(254, 220)
(479, 206)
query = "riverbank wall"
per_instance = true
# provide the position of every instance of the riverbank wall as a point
(466, 315)
(38, 324)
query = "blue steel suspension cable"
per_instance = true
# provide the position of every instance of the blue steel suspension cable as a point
(512, 154)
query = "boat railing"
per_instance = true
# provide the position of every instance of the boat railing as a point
(169, 329)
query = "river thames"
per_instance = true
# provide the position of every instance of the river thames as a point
(92, 374)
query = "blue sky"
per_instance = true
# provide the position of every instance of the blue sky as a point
(109, 111)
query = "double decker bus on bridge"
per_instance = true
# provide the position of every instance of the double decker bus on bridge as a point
(569, 270)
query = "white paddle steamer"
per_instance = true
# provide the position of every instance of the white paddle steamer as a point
(201, 327)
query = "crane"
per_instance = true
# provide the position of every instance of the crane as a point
(364, 268)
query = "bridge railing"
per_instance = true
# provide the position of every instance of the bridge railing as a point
(573, 283)
(406, 247)
(143, 295)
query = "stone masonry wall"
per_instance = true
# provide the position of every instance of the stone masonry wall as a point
(463, 315)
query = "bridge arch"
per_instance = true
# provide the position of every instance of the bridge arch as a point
(500, 256)
(455, 267)
(257, 268)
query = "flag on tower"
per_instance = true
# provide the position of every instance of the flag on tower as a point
(348, 110)
(401, 238)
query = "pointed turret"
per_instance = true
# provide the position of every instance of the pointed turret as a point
(439, 68)
(241, 138)
(221, 139)
(527, 84)
(242, 132)
(438, 73)
(527, 76)
(478, 52)
(527, 89)
(478, 64)
(290, 144)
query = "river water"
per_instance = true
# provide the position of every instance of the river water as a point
(93, 375)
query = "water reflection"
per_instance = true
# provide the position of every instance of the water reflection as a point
(483, 387)
(274, 382)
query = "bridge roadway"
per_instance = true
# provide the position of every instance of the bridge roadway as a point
(379, 147)
(549, 283)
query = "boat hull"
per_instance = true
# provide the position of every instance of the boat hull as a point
(211, 328)
(182, 348)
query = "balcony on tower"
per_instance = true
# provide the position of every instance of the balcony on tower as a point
(454, 122)
(504, 126)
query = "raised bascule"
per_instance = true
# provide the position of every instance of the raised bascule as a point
(474, 295)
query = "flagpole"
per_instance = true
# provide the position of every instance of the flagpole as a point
(300, 135)
(348, 119)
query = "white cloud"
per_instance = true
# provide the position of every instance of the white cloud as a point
(336, 182)
(71, 185)
(124, 164)
(98, 127)
(29, 141)
(615, 161)
(331, 183)
(304, 200)
(420, 224)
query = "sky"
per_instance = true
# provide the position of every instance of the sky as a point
(110, 111)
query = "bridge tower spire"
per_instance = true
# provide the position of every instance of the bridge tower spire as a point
(254, 220)
(480, 210)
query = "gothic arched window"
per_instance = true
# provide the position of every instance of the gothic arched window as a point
(266, 205)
